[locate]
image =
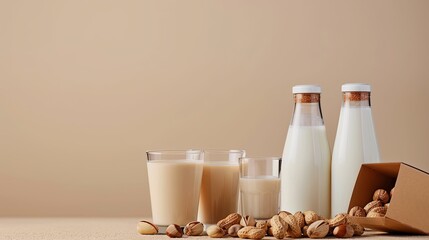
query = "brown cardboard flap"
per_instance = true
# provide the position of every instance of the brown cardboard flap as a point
(410, 202)
(386, 224)
(370, 178)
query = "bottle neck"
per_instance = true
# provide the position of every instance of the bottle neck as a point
(307, 110)
(357, 99)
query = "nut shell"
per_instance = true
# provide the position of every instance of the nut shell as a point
(357, 228)
(194, 228)
(231, 219)
(310, 217)
(215, 231)
(147, 228)
(372, 205)
(357, 212)
(251, 233)
(375, 215)
(381, 195)
(174, 231)
(299, 216)
(278, 227)
(343, 231)
(233, 230)
(247, 221)
(339, 219)
(318, 229)
(294, 230)
(381, 210)
(262, 225)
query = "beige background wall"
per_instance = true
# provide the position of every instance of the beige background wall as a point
(87, 86)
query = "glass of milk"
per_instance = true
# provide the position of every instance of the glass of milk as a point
(219, 187)
(174, 183)
(260, 186)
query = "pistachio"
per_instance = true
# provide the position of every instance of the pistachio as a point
(194, 228)
(318, 229)
(174, 231)
(215, 231)
(247, 221)
(146, 228)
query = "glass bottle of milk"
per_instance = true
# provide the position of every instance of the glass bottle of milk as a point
(306, 161)
(355, 143)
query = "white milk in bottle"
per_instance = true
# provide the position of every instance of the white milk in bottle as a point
(355, 143)
(306, 166)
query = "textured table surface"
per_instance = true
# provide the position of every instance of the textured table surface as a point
(100, 228)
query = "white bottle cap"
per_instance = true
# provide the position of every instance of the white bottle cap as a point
(306, 89)
(356, 87)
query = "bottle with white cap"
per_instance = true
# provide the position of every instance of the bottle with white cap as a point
(306, 161)
(355, 143)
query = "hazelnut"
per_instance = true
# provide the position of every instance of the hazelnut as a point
(343, 231)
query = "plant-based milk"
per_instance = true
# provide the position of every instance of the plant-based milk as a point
(174, 190)
(219, 191)
(355, 143)
(260, 196)
(305, 170)
(306, 161)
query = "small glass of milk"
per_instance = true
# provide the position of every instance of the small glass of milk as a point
(260, 186)
(174, 184)
(219, 187)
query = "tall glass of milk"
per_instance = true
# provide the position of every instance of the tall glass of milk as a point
(219, 187)
(260, 186)
(174, 185)
(355, 143)
(306, 161)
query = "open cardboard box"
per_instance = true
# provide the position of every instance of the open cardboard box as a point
(408, 211)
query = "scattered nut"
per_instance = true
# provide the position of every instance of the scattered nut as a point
(382, 195)
(304, 231)
(343, 231)
(357, 228)
(194, 228)
(294, 230)
(381, 210)
(283, 214)
(251, 233)
(318, 229)
(262, 225)
(233, 230)
(372, 205)
(174, 231)
(146, 228)
(231, 219)
(278, 227)
(247, 221)
(299, 216)
(357, 212)
(310, 217)
(339, 219)
(374, 215)
(215, 231)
